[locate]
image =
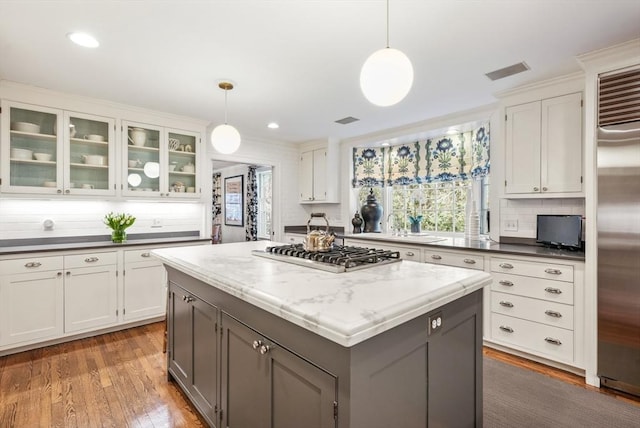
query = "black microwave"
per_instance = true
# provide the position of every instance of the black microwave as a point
(561, 231)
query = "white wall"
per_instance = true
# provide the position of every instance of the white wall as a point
(23, 218)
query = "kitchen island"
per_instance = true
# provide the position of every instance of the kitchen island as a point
(256, 342)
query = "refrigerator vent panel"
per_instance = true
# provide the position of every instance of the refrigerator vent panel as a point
(619, 97)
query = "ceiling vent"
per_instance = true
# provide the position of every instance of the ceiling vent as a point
(347, 120)
(507, 71)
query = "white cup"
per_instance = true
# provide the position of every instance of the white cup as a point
(87, 186)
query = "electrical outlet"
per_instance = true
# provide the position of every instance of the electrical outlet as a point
(156, 222)
(511, 225)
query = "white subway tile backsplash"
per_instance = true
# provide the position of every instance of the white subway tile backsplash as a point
(525, 211)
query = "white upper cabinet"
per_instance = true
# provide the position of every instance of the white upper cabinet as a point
(319, 175)
(52, 151)
(544, 147)
(160, 162)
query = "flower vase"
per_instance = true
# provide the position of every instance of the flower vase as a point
(118, 236)
(415, 227)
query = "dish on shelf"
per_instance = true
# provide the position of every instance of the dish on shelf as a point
(50, 184)
(94, 159)
(174, 143)
(94, 137)
(23, 154)
(42, 156)
(25, 127)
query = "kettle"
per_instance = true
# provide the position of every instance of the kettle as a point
(318, 240)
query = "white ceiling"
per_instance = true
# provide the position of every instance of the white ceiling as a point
(297, 62)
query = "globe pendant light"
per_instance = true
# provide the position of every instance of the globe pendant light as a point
(225, 138)
(387, 75)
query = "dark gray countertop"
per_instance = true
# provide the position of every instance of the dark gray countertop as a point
(92, 242)
(486, 246)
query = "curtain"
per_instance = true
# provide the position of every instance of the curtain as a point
(462, 156)
(251, 230)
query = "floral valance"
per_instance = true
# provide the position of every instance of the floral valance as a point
(461, 156)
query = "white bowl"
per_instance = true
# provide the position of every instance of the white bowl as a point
(94, 159)
(94, 137)
(25, 127)
(21, 154)
(42, 156)
(50, 184)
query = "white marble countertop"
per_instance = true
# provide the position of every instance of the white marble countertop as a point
(346, 308)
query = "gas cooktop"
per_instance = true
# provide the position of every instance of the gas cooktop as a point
(339, 258)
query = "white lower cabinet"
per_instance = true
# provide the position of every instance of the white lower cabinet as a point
(31, 300)
(536, 306)
(145, 291)
(90, 291)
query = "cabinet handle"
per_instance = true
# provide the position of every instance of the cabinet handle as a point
(58, 191)
(506, 304)
(264, 349)
(33, 264)
(553, 290)
(553, 271)
(506, 283)
(256, 344)
(188, 299)
(506, 265)
(553, 313)
(535, 189)
(67, 191)
(145, 255)
(506, 328)
(544, 189)
(436, 257)
(470, 261)
(552, 341)
(59, 274)
(410, 253)
(68, 273)
(91, 259)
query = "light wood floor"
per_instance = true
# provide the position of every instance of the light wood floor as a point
(119, 380)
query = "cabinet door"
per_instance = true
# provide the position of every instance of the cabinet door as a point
(183, 149)
(31, 307)
(285, 391)
(320, 175)
(522, 151)
(145, 290)
(143, 158)
(180, 335)
(206, 352)
(90, 298)
(306, 176)
(89, 155)
(561, 144)
(32, 159)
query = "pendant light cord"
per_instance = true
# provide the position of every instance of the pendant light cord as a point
(387, 24)
(225, 106)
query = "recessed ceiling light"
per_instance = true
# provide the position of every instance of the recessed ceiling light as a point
(453, 131)
(385, 144)
(273, 125)
(83, 39)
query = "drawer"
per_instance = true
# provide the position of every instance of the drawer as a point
(406, 253)
(545, 289)
(542, 270)
(550, 313)
(28, 265)
(453, 259)
(552, 342)
(134, 256)
(90, 259)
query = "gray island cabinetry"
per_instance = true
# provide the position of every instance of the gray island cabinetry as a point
(257, 343)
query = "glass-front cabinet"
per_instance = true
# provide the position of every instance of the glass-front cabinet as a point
(56, 152)
(160, 161)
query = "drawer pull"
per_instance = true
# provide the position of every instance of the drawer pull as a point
(553, 271)
(32, 264)
(145, 255)
(188, 299)
(436, 257)
(506, 283)
(256, 344)
(410, 253)
(506, 328)
(552, 341)
(506, 265)
(470, 261)
(506, 304)
(553, 313)
(91, 259)
(553, 290)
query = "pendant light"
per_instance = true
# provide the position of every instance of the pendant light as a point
(225, 138)
(387, 75)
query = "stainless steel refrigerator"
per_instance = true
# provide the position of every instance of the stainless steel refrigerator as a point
(618, 224)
